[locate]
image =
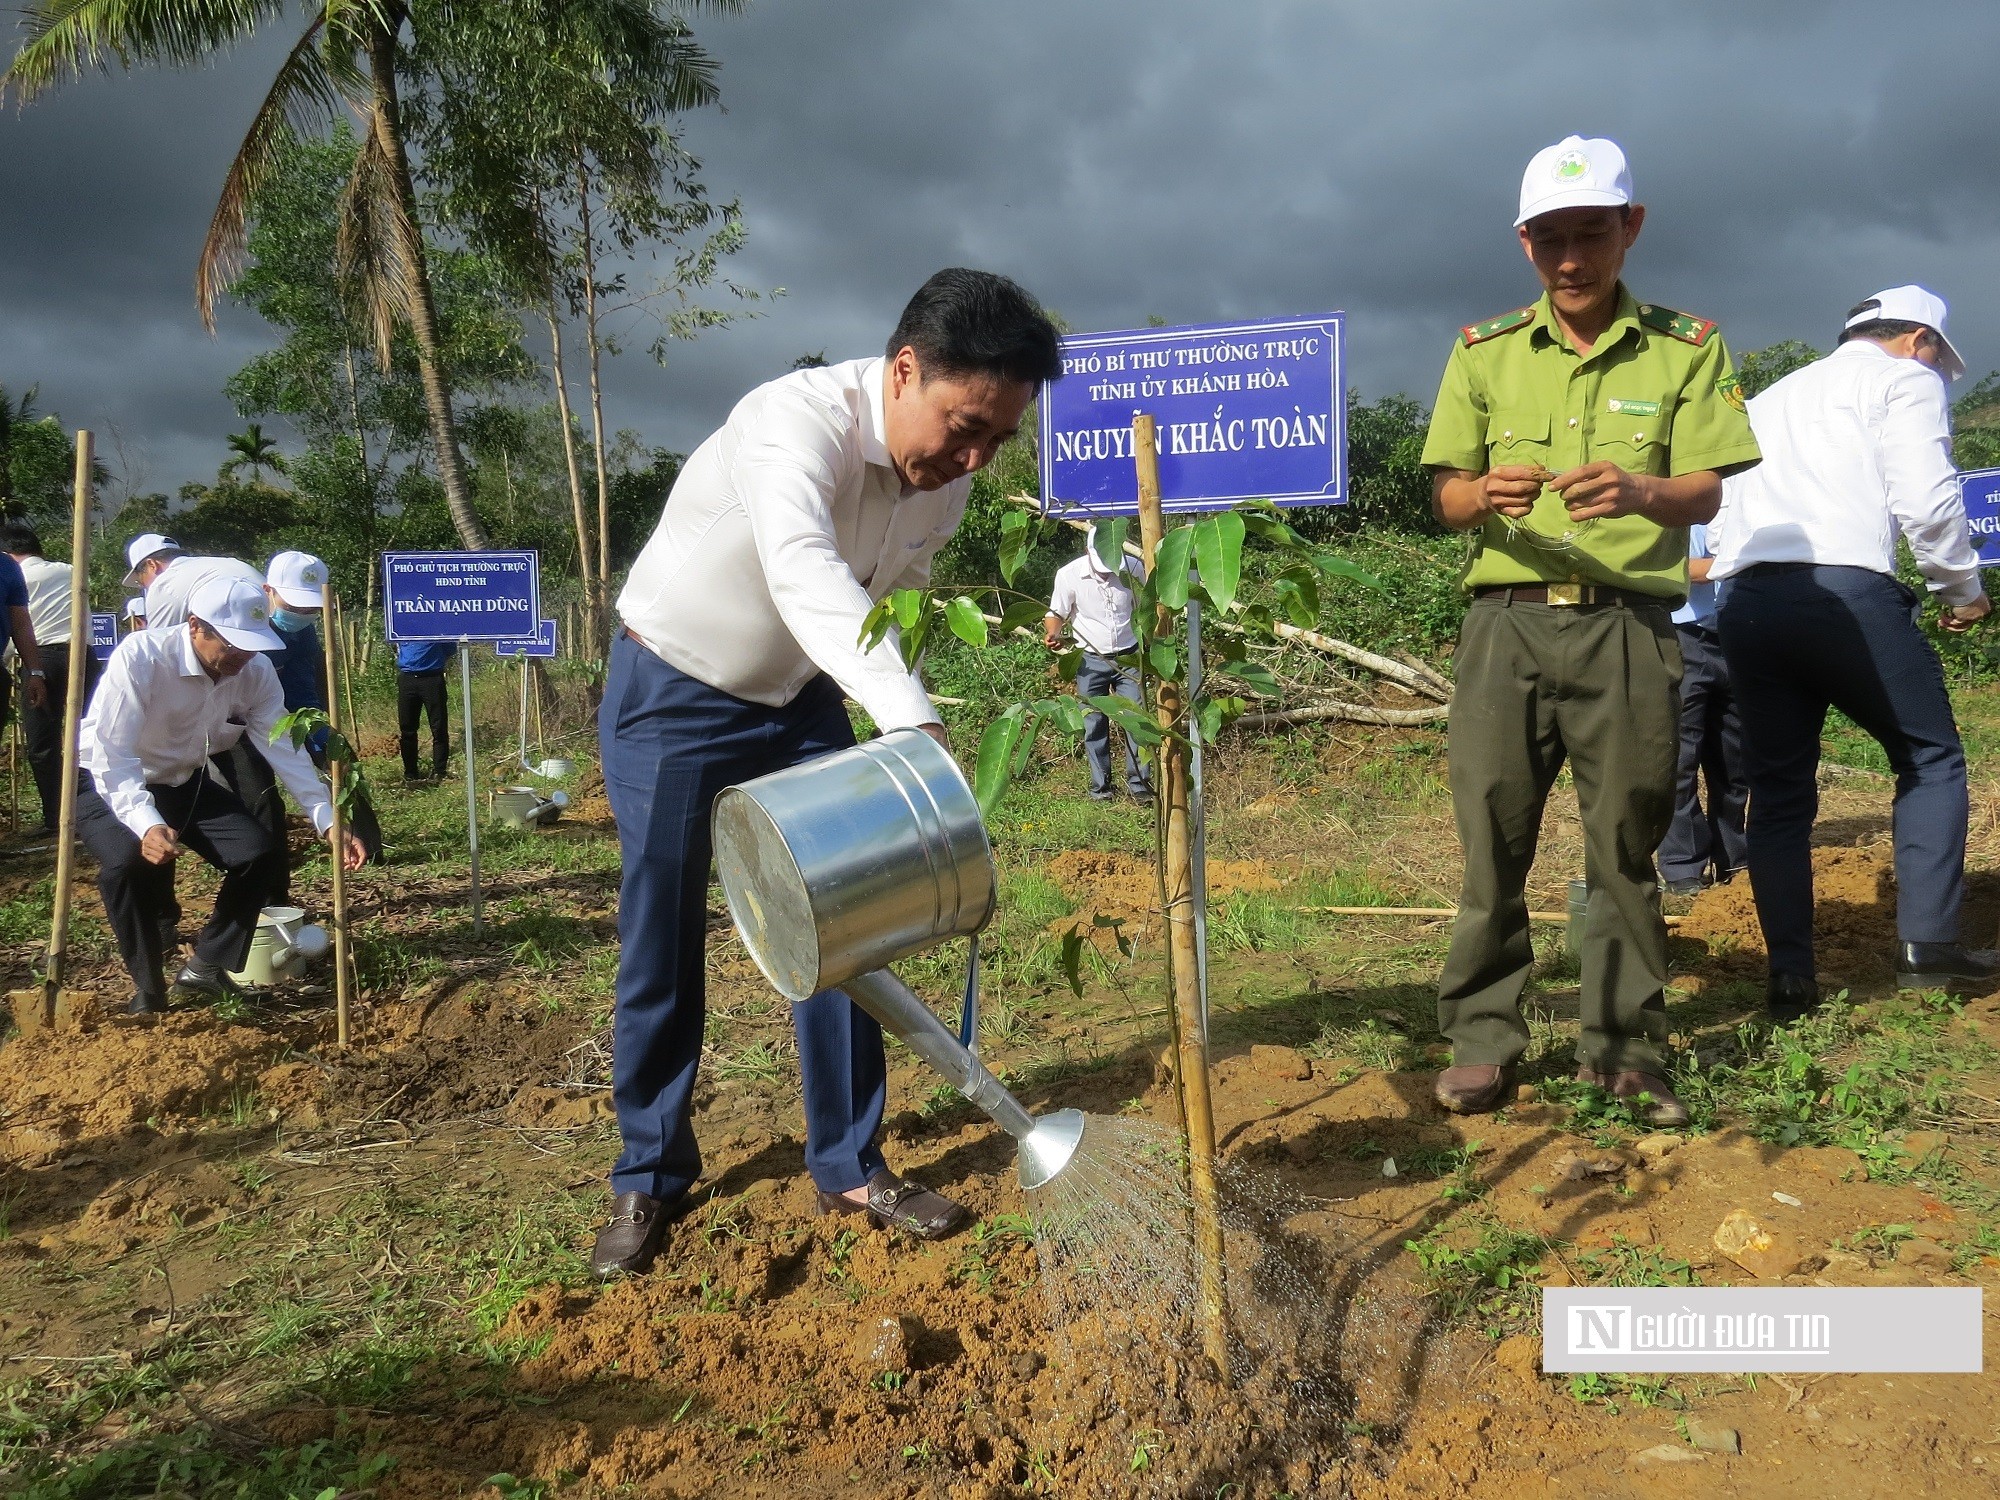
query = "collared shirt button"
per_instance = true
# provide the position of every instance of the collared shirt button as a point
(1572, 421)
(1508, 433)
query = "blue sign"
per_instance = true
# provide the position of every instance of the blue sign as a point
(461, 596)
(1980, 489)
(103, 634)
(1246, 411)
(541, 644)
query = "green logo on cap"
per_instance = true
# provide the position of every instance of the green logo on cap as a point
(1571, 165)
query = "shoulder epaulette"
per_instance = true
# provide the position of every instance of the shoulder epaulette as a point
(1677, 325)
(1479, 333)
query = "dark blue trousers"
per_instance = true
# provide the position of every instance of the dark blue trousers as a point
(1801, 639)
(670, 743)
(1101, 677)
(1707, 831)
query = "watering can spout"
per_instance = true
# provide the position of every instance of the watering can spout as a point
(1045, 1145)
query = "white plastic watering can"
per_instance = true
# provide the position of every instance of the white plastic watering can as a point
(284, 943)
(523, 806)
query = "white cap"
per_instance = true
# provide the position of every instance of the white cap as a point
(298, 578)
(1910, 304)
(149, 545)
(1575, 173)
(236, 610)
(135, 607)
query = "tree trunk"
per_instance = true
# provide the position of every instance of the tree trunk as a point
(387, 124)
(585, 568)
(596, 347)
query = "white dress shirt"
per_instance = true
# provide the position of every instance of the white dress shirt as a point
(783, 530)
(157, 716)
(1857, 447)
(167, 596)
(1096, 602)
(48, 598)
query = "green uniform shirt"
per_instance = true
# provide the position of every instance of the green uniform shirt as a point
(1656, 395)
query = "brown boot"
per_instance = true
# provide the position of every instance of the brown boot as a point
(1664, 1110)
(1475, 1088)
(628, 1243)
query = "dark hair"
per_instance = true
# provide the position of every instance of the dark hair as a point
(1879, 329)
(976, 323)
(19, 536)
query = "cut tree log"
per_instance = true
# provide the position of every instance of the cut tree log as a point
(1352, 713)
(1417, 682)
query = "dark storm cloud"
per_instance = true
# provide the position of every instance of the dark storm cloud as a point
(1125, 158)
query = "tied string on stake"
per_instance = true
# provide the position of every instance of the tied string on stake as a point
(1522, 529)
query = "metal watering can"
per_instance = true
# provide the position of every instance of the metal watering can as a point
(522, 806)
(839, 867)
(284, 943)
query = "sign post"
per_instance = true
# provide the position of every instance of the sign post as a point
(463, 597)
(542, 647)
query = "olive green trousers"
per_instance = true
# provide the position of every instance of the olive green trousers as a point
(1597, 685)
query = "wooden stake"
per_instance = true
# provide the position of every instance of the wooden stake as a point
(330, 617)
(79, 648)
(348, 653)
(1190, 1039)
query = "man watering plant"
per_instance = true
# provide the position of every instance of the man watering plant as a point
(824, 491)
(1574, 440)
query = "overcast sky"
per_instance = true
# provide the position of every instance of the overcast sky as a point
(1123, 158)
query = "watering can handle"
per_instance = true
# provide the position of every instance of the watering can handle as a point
(968, 1014)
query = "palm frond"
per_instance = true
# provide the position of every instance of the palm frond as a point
(373, 246)
(68, 38)
(303, 95)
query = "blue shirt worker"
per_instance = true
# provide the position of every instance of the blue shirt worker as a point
(419, 691)
(1857, 452)
(1705, 844)
(825, 490)
(1096, 603)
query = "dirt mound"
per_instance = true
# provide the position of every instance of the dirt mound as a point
(1113, 884)
(57, 1088)
(1854, 918)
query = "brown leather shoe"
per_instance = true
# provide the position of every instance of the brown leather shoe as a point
(897, 1203)
(627, 1244)
(1474, 1088)
(1664, 1111)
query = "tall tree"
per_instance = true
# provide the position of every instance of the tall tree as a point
(251, 449)
(348, 54)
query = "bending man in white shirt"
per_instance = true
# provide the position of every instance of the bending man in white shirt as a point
(1857, 449)
(169, 699)
(824, 491)
(1096, 603)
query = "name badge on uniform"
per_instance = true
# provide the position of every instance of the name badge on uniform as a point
(1633, 408)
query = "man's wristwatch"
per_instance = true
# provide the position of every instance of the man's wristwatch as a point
(36, 672)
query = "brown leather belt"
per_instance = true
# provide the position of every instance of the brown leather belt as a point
(1568, 595)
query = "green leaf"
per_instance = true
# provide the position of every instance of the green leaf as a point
(992, 765)
(966, 622)
(1065, 713)
(876, 625)
(1017, 539)
(1298, 588)
(1164, 661)
(1022, 614)
(1269, 528)
(1218, 552)
(1339, 567)
(907, 605)
(1170, 567)
(1255, 619)
(1130, 717)
(1069, 664)
(1110, 542)
(1208, 719)
(1255, 674)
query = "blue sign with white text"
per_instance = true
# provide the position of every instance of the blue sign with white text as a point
(1245, 411)
(541, 644)
(1980, 490)
(103, 635)
(461, 596)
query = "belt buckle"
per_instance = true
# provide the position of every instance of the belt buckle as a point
(1565, 594)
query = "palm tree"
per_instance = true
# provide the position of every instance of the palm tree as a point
(251, 450)
(347, 55)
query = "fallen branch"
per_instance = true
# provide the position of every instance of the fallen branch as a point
(1436, 911)
(1352, 713)
(1381, 666)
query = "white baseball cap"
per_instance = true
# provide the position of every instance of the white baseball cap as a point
(151, 544)
(298, 578)
(135, 607)
(236, 610)
(1910, 304)
(1575, 173)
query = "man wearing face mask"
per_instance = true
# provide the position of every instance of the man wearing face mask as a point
(825, 490)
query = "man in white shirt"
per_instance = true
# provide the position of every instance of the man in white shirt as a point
(1096, 603)
(169, 699)
(742, 617)
(48, 608)
(1857, 449)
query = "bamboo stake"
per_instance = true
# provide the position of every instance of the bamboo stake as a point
(79, 647)
(1190, 1040)
(348, 653)
(330, 615)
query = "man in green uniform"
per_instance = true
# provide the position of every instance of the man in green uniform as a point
(1576, 440)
